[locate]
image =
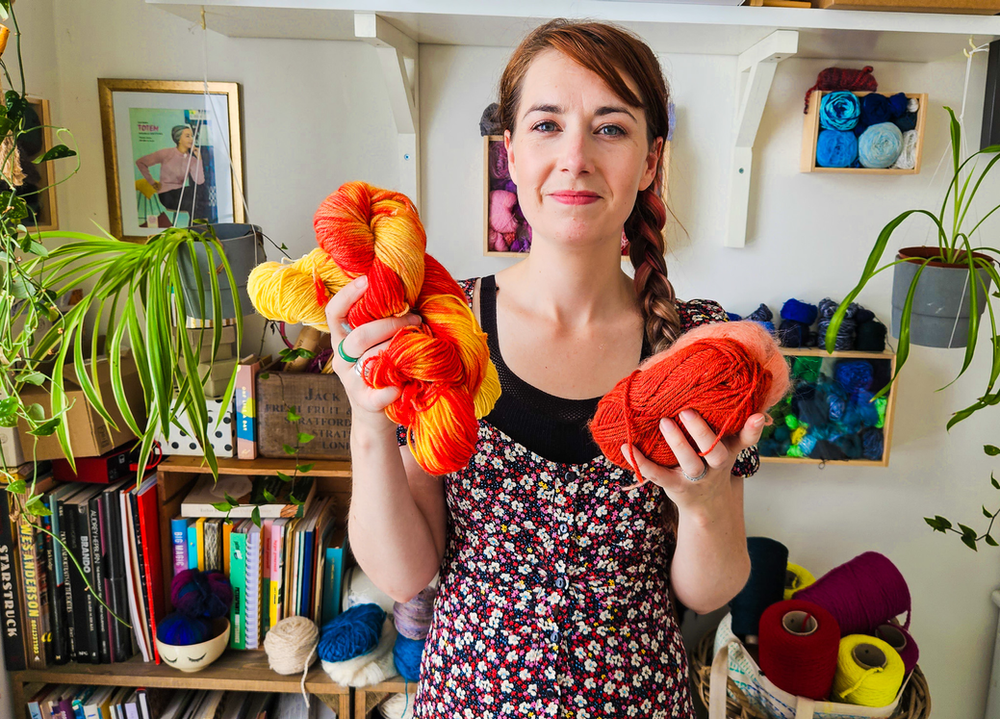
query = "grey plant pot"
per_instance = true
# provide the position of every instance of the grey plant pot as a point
(941, 303)
(243, 245)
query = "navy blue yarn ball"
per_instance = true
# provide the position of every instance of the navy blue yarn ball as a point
(180, 630)
(799, 311)
(407, 653)
(733, 317)
(897, 104)
(793, 333)
(351, 634)
(854, 375)
(761, 314)
(201, 594)
(871, 441)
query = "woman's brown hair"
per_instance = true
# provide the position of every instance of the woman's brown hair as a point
(609, 51)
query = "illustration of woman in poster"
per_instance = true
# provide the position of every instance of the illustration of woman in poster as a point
(178, 165)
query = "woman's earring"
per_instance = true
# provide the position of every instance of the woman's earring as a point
(624, 244)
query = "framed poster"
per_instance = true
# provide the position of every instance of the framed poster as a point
(172, 154)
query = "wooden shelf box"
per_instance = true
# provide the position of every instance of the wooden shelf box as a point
(811, 130)
(888, 369)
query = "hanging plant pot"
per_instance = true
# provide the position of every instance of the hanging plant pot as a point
(244, 248)
(942, 300)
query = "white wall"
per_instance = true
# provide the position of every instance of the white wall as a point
(316, 115)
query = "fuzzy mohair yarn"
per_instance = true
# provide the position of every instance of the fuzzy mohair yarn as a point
(201, 594)
(181, 630)
(725, 371)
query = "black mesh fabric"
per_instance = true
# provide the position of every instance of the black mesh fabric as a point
(550, 426)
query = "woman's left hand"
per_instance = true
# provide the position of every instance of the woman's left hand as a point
(717, 464)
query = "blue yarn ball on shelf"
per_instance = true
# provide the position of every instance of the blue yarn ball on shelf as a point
(733, 317)
(793, 333)
(839, 110)
(898, 104)
(181, 630)
(854, 375)
(836, 148)
(875, 109)
(407, 654)
(808, 443)
(799, 311)
(850, 445)
(351, 634)
(879, 146)
(761, 314)
(872, 443)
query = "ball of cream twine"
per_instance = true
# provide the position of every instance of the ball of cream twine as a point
(291, 647)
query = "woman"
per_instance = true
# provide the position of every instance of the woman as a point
(177, 164)
(556, 584)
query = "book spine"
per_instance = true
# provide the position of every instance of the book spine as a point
(98, 554)
(90, 605)
(199, 533)
(116, 582)
(246, 429)
(213, 545)
(13, 629)
(57, 616)
(141, 551)
(72, 584)
(274, 583)
(149, 532)
(30, 574)
(331, 595)
(192, 541)
(178, 530)
(267, 526)
(237, 578)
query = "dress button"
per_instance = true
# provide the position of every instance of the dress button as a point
(560, 582)
(554, 637)
(571, 476)
(564, 529)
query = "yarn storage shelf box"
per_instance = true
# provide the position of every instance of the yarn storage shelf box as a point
(811, 129)
(914, 704)
(887, 357)
(367, 699)
(487, 250)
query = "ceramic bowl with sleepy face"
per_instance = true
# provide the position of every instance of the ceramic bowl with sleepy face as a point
(195, 657)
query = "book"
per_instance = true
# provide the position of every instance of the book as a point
(199, 533)
(92, 706)
(139, 628)
(144, 554)
(275, 565)
(265, 576)
(115, 578)
(253, 581)
(86, 606)
(213, 545)
(63, 648)
(13, 627)
(250, 493)
(336, 555)
(146, 500)
(237, 578)
(192, 540)
(34, 591)
(246, 405)
(227, 529)
(56, 621)
(178, 531)
(98, 551)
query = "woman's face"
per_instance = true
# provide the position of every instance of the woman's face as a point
(186, 140)
(578, 155)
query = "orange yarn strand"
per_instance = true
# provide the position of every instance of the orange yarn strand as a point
(442, 366)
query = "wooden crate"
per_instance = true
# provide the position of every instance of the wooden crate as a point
(890, 409)
(367, 699)
(811, 129)
(964, 7)
(234, 670)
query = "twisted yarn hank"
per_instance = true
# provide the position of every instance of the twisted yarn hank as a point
(442, 366)
(291, 647)
(351, 634)
(725, 371)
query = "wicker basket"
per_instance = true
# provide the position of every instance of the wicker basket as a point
(914, 704)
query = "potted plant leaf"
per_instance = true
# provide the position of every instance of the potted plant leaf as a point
(940, 291)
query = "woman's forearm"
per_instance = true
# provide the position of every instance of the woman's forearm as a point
(711, 564)
(390, 537)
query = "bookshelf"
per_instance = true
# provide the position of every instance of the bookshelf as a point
(234, 670)
(366, 699)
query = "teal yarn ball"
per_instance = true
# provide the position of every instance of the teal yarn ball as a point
(880, 145)
(407, 654)
(351, 634)
(180, 630)
(836, 148)
(839, 110)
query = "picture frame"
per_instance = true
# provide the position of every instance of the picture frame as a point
(173, 154)
(503, 222)
(38, 186)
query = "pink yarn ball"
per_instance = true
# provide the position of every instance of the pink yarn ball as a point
(501, 211)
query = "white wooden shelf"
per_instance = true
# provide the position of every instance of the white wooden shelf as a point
(667, 27)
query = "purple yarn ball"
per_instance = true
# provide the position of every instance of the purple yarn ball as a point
(498, 161)
(201, 594)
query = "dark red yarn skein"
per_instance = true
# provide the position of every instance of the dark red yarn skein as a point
(801, 665)
(838, 78)
(719, 379)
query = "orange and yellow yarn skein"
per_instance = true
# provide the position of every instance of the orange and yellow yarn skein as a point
(442, 365)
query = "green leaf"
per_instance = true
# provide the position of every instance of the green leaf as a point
(16, 105)
(47, 428)
(990, 541)
(938, 522)
(36, 506)
(970, 542)
(304, 438)
(991, 450)
(284, 246)
(256, 516)
(35, 378)
(289, 450)
(222, 506)
(987, 513)
(994, 482)
(263, 375)
(305, 468)
(284, 477)
(17, 486)
(36, 412)
(967, 531)
(57, 152)
(292, 417)
(268, 496)
(38, 248)
(295, 500)
(8, 412)
(230, 499)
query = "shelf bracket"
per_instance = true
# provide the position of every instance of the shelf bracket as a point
(760, 63)
(398, 54)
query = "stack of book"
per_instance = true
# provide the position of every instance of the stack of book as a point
(289, 563)
(73, 581)
(61, 701)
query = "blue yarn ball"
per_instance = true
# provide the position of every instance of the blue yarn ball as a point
(898, 104)
(201, 594)
(769, 326)
(836, 148)
(875, 108)
(407, 653)
(351, 634)
(871, 441)
(879, 146)
(863, 315)
(768, 447)
(761, 314)
(850, 444)
(733, 317)
(854, 375)
(793, 333)
(799, 311)
(839, 111)
(815, 412)
(808, 443)
(837, 400)
(906, 122)
(861, 412)
(782, 433)
(180, 630)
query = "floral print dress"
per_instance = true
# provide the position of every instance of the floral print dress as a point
(554, 595)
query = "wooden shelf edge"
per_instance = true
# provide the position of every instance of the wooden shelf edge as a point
(837, 354)
(810, 460)
(261, 465)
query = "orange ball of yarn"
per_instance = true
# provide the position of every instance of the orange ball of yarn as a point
(726, 372)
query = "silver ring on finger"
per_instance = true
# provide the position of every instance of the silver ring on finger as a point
(358, 369)
(704, 471)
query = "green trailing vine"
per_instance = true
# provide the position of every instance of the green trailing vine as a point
(969, 536)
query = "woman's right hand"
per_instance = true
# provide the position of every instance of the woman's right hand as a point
(156, 185)
(368, 340)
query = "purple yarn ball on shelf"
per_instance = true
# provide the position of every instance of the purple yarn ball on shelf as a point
(201, 594)
(498, 161)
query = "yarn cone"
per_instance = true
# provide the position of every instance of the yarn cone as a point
(725, 372)
(442, 365)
